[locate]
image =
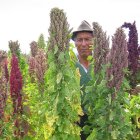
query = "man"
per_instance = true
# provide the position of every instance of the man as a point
(83, 39)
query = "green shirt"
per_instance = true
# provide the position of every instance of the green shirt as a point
(84, 79)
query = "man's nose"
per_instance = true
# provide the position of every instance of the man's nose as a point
(84, 42)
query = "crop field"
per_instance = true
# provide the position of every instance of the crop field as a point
(40, 92)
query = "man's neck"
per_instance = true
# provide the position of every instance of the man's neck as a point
(84, 62)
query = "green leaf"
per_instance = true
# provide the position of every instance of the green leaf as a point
(93, 135)
(90, 57)
(61, 56)
(55, 49)
(114, 135)
(111, 115)
(109, 99)
(59, 77)
(51, 88)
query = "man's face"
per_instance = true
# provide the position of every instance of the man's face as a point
(84, 44)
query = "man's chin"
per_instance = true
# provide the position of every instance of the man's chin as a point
(85, 55)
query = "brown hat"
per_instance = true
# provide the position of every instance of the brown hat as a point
(84, 26)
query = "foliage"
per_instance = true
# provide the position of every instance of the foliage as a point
(108, 118)
(135, 113)
(107, 108)
(63, 83)
(63, 98)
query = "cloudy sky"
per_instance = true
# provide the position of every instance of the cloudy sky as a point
(25, 20)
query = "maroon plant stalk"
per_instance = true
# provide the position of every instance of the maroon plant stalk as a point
(3, 95)
(16, 85)
(34, 48)
(6, 72)
(32, 68)
(15, 90)
(139, 50)
(3, 83)
(40, 65)
(139, 58)
(118, 59)
(133, 56)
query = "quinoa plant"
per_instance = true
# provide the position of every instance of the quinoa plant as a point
(31, 60)
(41, 42)
(34, 48)
(14, 47)
(118, 59)
(108, 116)
(3, 90)
(101, 47)
(3, 82)
(63, 83)
(40, 68)
(34, 88)
(133, 57)
(139, 50)
(34, 110)
(31, 69)
(16, 95)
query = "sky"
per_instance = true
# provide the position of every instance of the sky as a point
(25, 20)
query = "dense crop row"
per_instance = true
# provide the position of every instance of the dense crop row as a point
(40, 93)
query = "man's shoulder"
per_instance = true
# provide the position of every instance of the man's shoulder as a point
(79, 65)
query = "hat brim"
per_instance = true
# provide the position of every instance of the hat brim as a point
(76, 32)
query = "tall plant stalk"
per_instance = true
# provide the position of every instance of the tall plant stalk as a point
(16, 95)
(101, 47)
(133, 57)
(63, 83)
(106, 99)
(41, 42)
(3, 89)
(118, 59)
